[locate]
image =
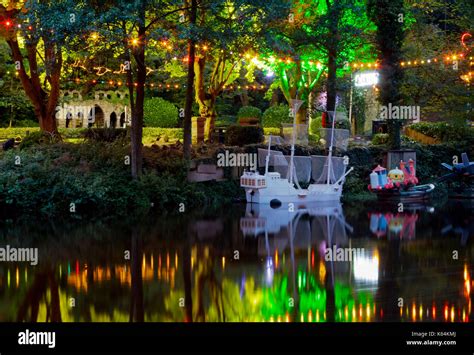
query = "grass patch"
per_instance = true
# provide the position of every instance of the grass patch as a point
(151, 135)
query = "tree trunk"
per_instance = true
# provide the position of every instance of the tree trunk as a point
(137, 117)
(275, 98)
(332, 49)
(301, 115)
(44, 103)
(210, 115)
(390, 36)
(205, 100)
(244, 98)
(331, 82)
(190, 86)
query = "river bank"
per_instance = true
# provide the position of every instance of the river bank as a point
(92, 179)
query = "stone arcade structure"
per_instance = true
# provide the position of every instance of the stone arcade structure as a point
(107, 109)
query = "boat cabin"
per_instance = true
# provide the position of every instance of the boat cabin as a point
(253, 180)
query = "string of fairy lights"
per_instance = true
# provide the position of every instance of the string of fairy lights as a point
(164, 86)
(101, 71)
(265, 61)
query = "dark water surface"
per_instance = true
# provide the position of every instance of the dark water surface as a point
(247, 264)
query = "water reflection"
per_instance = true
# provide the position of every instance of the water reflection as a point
(249, 263)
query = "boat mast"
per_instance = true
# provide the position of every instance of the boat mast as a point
(295, 106)
(267, 158)
(330, 146)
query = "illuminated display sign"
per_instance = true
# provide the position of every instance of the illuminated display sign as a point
(366, 79)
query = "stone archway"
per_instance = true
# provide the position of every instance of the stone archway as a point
(99, 117)
(80, 120)
(113, 120)
(95, 112)
(122, 120)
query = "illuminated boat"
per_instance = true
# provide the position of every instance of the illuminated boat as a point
(282, 185)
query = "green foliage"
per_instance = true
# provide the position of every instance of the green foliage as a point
(150, 134)
(389, 38)
(249, 115)
(15, 108)
(37, 138)
(342, 121)
(243, 135)
(72, 132)
(26, 123)
(160, 113)
(380, 139)
(445, 131)
(225, 120)
(7, 133)
(153, 134)
(94, 177)
(437, 88)
(276, 115)
(91, 176)
(105, 134)
(249, 112)
(274, 131)
(315, 125)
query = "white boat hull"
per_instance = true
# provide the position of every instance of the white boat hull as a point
(289, 194)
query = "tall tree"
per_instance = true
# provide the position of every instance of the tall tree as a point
(136, 25)
(346, 37)
(226, 31)
(319, 36)
(193, 7)
(389, 16)
(37, 33)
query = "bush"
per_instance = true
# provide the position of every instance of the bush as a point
(37, 138)
(249, 115)
(444, 131)
(243, 135)
(7, 133)
(160, 113)
(225, 120)
(72, 132)
(276, 115)
(94, 177)
(315, 125)
(343, 124)
(105, 134)
(26, 123)
(271, 131)
(380, 138)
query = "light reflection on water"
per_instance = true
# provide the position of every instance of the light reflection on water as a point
(248, 263)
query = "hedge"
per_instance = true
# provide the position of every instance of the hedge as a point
(276, 115)
(160, 113)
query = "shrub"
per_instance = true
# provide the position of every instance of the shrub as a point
(7, 133)
(315, 125)
(26, 123)
(72, 132)
(249, 121)
(276, 115)
(225, 120)
(160, 113)
(380, 138)
(37, 138)
(249, 115)
(444, 131)
(105, 134)
(343, 123)
(243, 135)
(274, 131)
